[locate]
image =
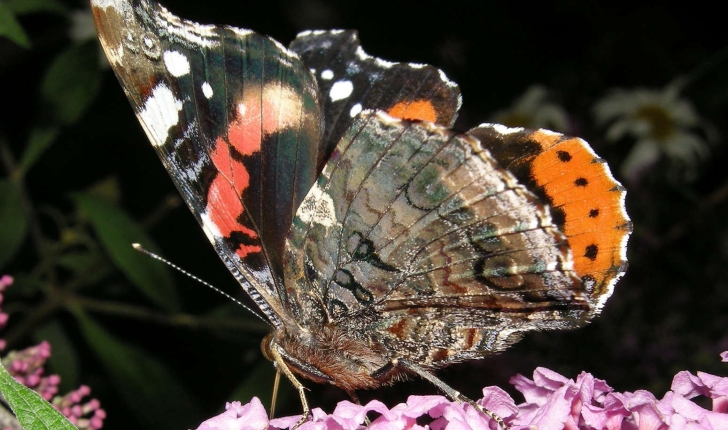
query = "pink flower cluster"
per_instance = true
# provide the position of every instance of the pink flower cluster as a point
(555, 402)
(26, 367)
(5, 282)
(84, 416)
(552, 401)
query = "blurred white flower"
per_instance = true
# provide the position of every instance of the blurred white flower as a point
(82, 25)
(660, 121)
(82, 29)
(534, 110)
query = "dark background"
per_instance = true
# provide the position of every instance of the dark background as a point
(667, 314)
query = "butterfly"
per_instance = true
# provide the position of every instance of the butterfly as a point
(377, 242)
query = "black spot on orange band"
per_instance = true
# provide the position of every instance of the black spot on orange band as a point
(591, 252)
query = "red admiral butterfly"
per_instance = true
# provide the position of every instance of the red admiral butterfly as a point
(375, 240)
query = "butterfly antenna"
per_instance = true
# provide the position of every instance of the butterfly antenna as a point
(148, 253)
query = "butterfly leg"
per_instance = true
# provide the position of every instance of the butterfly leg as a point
(274, 398)
(283, 367)
(450, 391)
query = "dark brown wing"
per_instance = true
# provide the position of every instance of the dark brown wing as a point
(234, 117)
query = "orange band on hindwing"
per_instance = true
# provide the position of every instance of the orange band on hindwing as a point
(579, 184)
(587, 202)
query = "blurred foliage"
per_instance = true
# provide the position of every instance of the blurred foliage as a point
(80, 184)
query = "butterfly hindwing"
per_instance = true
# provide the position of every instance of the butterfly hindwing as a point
(234, 117)
(410, 220)
(585, 200)
(350, 81)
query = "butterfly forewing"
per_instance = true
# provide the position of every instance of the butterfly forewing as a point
(234, 116)
(350, 81)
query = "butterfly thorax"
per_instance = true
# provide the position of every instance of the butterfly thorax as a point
(329, 354)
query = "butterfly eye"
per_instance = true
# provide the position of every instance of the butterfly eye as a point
(294, 364)
(265, 346)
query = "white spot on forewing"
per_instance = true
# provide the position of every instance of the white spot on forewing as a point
(210, 229)
(341, 90)
(160, 113)
(176, 63)
(207, 90)
(318, 207)
(355, 110)
(242, 109)
(327, 75)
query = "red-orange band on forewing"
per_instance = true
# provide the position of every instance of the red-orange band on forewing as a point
(260, 112)
(415, 110)
(224, 204)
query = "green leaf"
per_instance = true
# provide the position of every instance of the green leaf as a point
(64, 360)
(117, 231)
(77, 262)
(13, 224)
(72, 81)
(146, 385)
(40, 140)
(33, 412)
(10, 27)
(21, 7)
